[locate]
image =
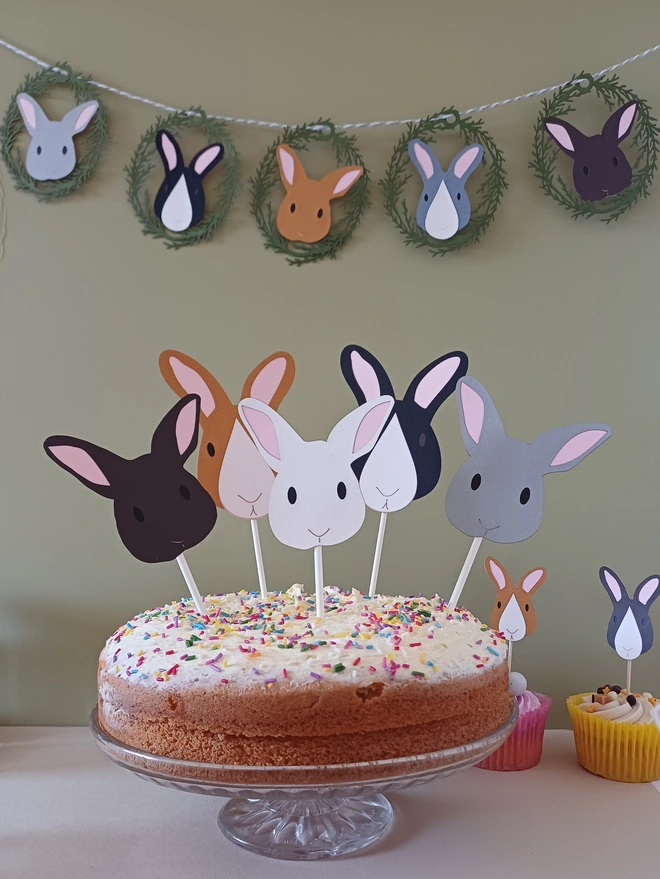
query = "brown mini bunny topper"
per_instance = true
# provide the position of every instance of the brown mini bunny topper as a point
(304, 214)
(513, 612)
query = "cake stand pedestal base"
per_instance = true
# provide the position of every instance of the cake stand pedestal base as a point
(305, 829)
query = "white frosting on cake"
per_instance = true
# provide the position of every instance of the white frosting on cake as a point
(245, 641)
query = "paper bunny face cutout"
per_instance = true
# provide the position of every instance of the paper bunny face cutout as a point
(600, 168)
(498, 492)
(180, 201)
(315, 499)
(630, 632)
(405, 463)
(444, 206)
(52, 154)
(229, 465)
(160, 508)
(304, 214)
(513, 612)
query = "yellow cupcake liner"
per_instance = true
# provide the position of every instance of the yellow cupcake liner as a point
(618, 751)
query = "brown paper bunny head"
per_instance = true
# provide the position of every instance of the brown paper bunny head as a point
(513, 611)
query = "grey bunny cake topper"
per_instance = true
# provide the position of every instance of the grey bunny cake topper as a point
(51, 154)
(629, 631)
(497, 493)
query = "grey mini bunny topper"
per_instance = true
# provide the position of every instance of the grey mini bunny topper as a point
(52, 154)
(630, 632)
(497, 493)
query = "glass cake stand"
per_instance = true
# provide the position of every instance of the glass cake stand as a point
(301, 812)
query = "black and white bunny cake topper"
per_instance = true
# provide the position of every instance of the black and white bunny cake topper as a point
(180, 201)
(629, 631)
(160, 508)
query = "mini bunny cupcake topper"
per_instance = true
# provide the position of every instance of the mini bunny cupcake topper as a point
(229, 465)
(315, 499)
(497, 493)
(160, 508)
(630, 631)
(405, 463)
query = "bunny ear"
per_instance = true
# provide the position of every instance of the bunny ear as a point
(565, 135)
(79, 118)
(338, 182)
(364, 374)
(207, 159)
(277, 441)
(562, 448)
(175, 438)
(357, 433)
(648, 590)
(33, 116)
(271, 379)
(95, 467)
(465, 162)
(424, 159)
(437, 381)
(613, 586)
(480, 421)
(497, 573)
(291, 168)
(186, 376)
(620, 123)
(169, 150)
(533, 580)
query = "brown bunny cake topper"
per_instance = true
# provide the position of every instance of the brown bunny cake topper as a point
(513, 612)
(304, 214)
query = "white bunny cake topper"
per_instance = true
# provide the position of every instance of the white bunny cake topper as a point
(315, 500)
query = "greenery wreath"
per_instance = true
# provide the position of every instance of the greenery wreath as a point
(644, 139)
(142, 164)
(354, 203)
(397, 175)
(95, 138)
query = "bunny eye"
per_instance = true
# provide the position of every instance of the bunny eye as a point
(524, 496)
(422, 440)
(643, 621)
(320, 213)
(292, 495)
(585, 170)
(38, 150)
(458, 196)
(64, 150)
(527, 608)
(499, 605)
(426, 196)
(614, 618)
(341, 490)
(184, 491)
(138, 514)
(210, 448)
(476, 481)
(293, 208)
(615, 161)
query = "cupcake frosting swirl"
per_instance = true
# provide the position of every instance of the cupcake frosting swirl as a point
(527, 702)
(620, 706)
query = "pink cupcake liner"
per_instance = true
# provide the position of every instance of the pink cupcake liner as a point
(523, 748)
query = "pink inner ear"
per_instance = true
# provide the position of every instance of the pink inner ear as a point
(27, 109)
(345, 181)
(264, 430)
(435, 380)
(647, 591)
(463, 163)
(424, 160)
(577, 446)
(84, 118)
(365, 376)
(370, 425)
(186, 423)
(473, 412)
(81, 462)
(206, 158)
(170, 152)
(498, 574)
(531, 580)
(626, 120)
(268, 381)
(615, 589)
(192, 383)
(287, 164)
(560, 135)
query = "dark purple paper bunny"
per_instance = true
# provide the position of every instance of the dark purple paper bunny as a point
(160, 508)
(600, 168)
(629, 631)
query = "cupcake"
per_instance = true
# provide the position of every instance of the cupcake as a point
(523, 748)
(615, 734)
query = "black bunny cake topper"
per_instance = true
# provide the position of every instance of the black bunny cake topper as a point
(160, 508)
(629, 631)
(406, 462)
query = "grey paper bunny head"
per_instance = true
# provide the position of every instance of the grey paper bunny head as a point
(498, 492)
(52, 154)
(629, 631)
